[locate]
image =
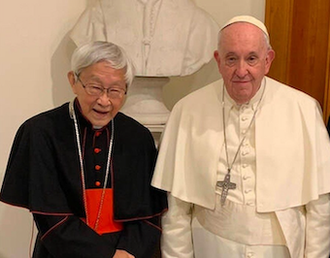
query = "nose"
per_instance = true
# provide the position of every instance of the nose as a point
(104, 100)
(242, 69)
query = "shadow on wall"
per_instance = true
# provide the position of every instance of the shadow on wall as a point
(178, 87)
(60, 66)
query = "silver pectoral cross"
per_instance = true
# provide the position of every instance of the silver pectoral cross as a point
(225, 185)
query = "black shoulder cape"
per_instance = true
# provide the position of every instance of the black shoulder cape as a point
(43, 173)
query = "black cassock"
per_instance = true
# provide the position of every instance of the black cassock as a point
(43, 175)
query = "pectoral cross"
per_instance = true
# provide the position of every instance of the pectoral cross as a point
(225, 185)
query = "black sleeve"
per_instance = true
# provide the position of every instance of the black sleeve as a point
(140, 238)
(68, 236)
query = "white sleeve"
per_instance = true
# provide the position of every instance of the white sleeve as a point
(318, 228)
(176, 238)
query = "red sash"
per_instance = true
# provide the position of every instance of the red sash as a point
(106, 223)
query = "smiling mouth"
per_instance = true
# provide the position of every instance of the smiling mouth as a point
(101, 112)
(241, 81)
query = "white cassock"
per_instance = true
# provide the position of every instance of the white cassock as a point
(288, 161)
(162, 37)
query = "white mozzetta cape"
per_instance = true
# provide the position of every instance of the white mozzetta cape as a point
(292, 148)
(162, 37)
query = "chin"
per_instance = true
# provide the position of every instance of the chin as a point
(242, 99)
(99, 123)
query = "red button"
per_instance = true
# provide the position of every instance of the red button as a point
(98, 133)
(97, 167)
(97, 183)
(97, 150)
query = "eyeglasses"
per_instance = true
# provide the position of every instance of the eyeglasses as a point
(97, 91)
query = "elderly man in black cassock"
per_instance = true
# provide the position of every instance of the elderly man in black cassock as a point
(84, 169)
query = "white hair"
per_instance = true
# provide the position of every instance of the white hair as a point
(99, 51)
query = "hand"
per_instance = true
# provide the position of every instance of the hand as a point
(123, 254)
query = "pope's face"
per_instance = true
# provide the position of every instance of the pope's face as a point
(99, 110)
(243, 60)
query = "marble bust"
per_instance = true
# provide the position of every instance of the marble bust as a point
(162, 37)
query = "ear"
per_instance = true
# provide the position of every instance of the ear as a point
(269, 59)
(217, 58)
(72, 81)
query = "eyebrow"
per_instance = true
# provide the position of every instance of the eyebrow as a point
(231, 53)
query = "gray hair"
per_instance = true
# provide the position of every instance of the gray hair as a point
(99, 51)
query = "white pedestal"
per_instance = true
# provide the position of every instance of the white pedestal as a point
(145, 103)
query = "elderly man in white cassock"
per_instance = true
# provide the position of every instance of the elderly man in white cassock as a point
(245, 161)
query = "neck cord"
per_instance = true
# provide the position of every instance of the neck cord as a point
(230, 166)
(73, 116)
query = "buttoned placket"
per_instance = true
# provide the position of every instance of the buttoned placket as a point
(96, 147)
(237, 122)
(247, 155)
(99, 150)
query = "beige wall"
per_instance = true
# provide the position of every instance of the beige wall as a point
(34, 59)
